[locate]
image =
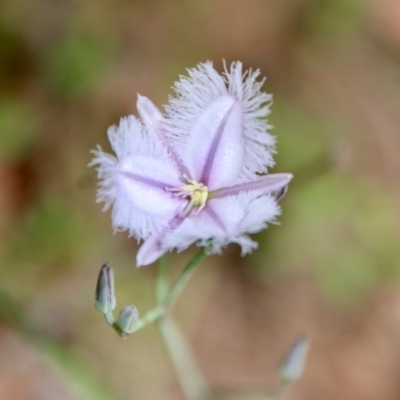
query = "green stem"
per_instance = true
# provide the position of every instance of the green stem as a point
(164, 298)
(162, 282)
(191, 380)
(183, 278)
(80, 378)
(189, 375)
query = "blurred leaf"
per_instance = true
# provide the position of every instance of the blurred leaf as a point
(16, 61)
(18, 124)
(52, 233)
(339, 228)
(62, 357)
(333, 17)
(74, 66)
(299, 139)
(350, 275)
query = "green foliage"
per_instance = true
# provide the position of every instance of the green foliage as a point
(340, 229)
(301, 139)
(74, 65)
(18, 125)
(334, 17)
(51, 234)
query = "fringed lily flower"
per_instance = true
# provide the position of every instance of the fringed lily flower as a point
(197, 174)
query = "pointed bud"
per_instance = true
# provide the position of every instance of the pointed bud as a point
(126, 320)
(105, 299)
(292, 366)
(149, 114)
(281, 193)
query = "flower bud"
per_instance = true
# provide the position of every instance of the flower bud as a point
(105, 299)
(281, 193)
(292, 366)
(126, 320)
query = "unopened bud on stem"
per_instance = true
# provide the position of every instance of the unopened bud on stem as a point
(292, 366)
(105, 299)
(126, 321)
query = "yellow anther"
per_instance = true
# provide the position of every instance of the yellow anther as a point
(198, 193)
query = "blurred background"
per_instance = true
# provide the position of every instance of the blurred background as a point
(70, 69)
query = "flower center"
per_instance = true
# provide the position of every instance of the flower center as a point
(196, 191)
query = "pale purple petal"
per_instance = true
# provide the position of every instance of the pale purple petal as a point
(152, 248)
(153, 122)
(230, 211)
(196, 92)
(215, 217)
(196, 228)
(225, 158)
(129, 140)
(214, 148)
(260, 211)
(240, 215)
(208, 228)
(259, 143)
(144, 180)
(125, 215)
(204, 230)
(263, 185)
(150, 115)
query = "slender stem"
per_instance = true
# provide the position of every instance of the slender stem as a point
(162, 282)
(80, 377)
(164, 298)
(191, 380)
(183, 278)
(189, 375)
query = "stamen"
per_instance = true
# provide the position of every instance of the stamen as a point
(196, 191)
